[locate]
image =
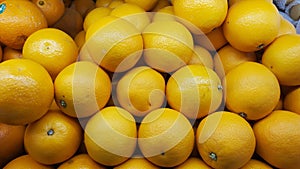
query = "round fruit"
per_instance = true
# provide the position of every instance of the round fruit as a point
(166, 137)
(251, 90)
(137, 163)
(225, 140)
(201, 56)
(110, 136)
(194, 90)
(291, 101)
(80, 161)
(25, 161)
(278, 139)
(81, 89)
(26, 91)
(193, 163)
(256, 164)
(145, 4)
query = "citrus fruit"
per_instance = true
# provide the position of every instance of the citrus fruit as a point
(168, 45)
(206, 15)
(52, 9)
(10, 53)
(18, 20)
(25, 162)
(114, 43)
(231, 2)
(110, 136)
(79, 39)
(251, 90)
(11, 139)
(83, 161)
(141, 90)
(133, 14)
(160, 4)
(137, 163)
(115, 3)
(251, 25)
(26, 91)
(194, 90)
(201, 56)
(278, 139)
(291, 101)
(52, 48)
(282, 58)
(83, 6)
(228, 57)
(164, 14)
(165, 137)
(192, 163)
(256, 164)
(225, 140)
(286, 27)
(81, 89)
(45, 138)
(95, 15)
(147, 5)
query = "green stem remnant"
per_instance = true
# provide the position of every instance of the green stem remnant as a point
(213, 156)
(63, 103)
(50, 132)
(41, 3)
(2, 8)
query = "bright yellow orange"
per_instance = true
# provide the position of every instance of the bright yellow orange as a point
(137, 163)
(83, 161)
(164, 14)
(168, 45)
(25, 162)
(206, 15)
(52, 48)
(286, 27)
(94, 89)
(252, 164)
(228, 58)
(201, 56)
(145, 4)
(95, 15)
(278, 139)
(115, 3)
(11, 139)
(105, 131)
(231, 2)
(113, 43)
(160, 4)
(18, 20)
(291, 101)
(166, 137)
(53, 10)
(282, 58)
(141, 90)
(26, 91)
(79, 39)
(10, 53)
(194, 90)
(45, 138)
(251, 90)
(193, 163)
(225, 140)
(251, 25)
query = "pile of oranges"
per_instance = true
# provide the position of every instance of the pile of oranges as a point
(148, 84)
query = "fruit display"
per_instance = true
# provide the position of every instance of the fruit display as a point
(123, 84)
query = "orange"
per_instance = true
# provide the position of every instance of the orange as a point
(160, 4)
(252, 164)
(83, 6)
(231, 2)
(291, 101)
(164, 14)
(79, 39)
(147, 5)
(282, 58)
(95, 15)
(94, 89)
(83, 161)
(168, 45)
(279, 105)
(211, 41)
(115, 3)
(45, 138)
(278, 139)
(206, 15)
(201, 56)
(11, 139)
(10, 53)
(53, 10)
(114, 43)
(286, 27)
(228, 58)
(18, 20)
(110, 136)
(133, 14)
(26, 91)
(71, 22)
(251, 25)
(251, 90)
(225, 140)
(194, 90)
(52, 48)
(193, 163)
(26, 162)
(137, 163)
(166, 137)
(141, 90)
(103, 3)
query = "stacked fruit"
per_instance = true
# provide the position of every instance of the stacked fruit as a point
(148, 84)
